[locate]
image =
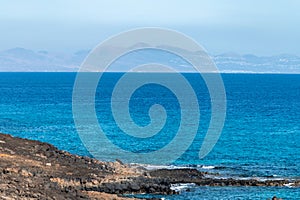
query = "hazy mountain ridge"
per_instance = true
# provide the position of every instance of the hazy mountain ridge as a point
(20, 59)
(283, 63)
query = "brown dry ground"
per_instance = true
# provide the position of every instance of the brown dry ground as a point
(36, 170)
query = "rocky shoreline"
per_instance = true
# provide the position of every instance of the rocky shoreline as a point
(36, 170)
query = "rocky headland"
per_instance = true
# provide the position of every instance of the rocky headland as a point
(36, 170)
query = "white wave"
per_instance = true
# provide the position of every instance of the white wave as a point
(181, 186)
(207, 167)
(290, 185)
(154, 167)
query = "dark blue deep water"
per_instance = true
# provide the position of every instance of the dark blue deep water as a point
(261, 136)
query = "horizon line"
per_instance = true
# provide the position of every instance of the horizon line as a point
(184, 72)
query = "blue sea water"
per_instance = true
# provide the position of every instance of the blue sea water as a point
(261, 135)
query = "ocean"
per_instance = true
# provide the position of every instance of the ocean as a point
(260, 138)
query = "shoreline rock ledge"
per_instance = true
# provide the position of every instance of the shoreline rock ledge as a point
(36, 170)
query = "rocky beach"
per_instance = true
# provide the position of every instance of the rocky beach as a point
(36, 170)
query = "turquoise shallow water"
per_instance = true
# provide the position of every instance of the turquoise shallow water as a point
(233, 193)
(260, 137)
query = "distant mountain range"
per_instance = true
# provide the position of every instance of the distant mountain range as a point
(20, 59)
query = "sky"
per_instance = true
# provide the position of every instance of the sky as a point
(245, 27)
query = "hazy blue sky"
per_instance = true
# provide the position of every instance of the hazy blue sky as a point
(256, 26)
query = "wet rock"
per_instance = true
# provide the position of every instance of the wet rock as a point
(134, 187)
